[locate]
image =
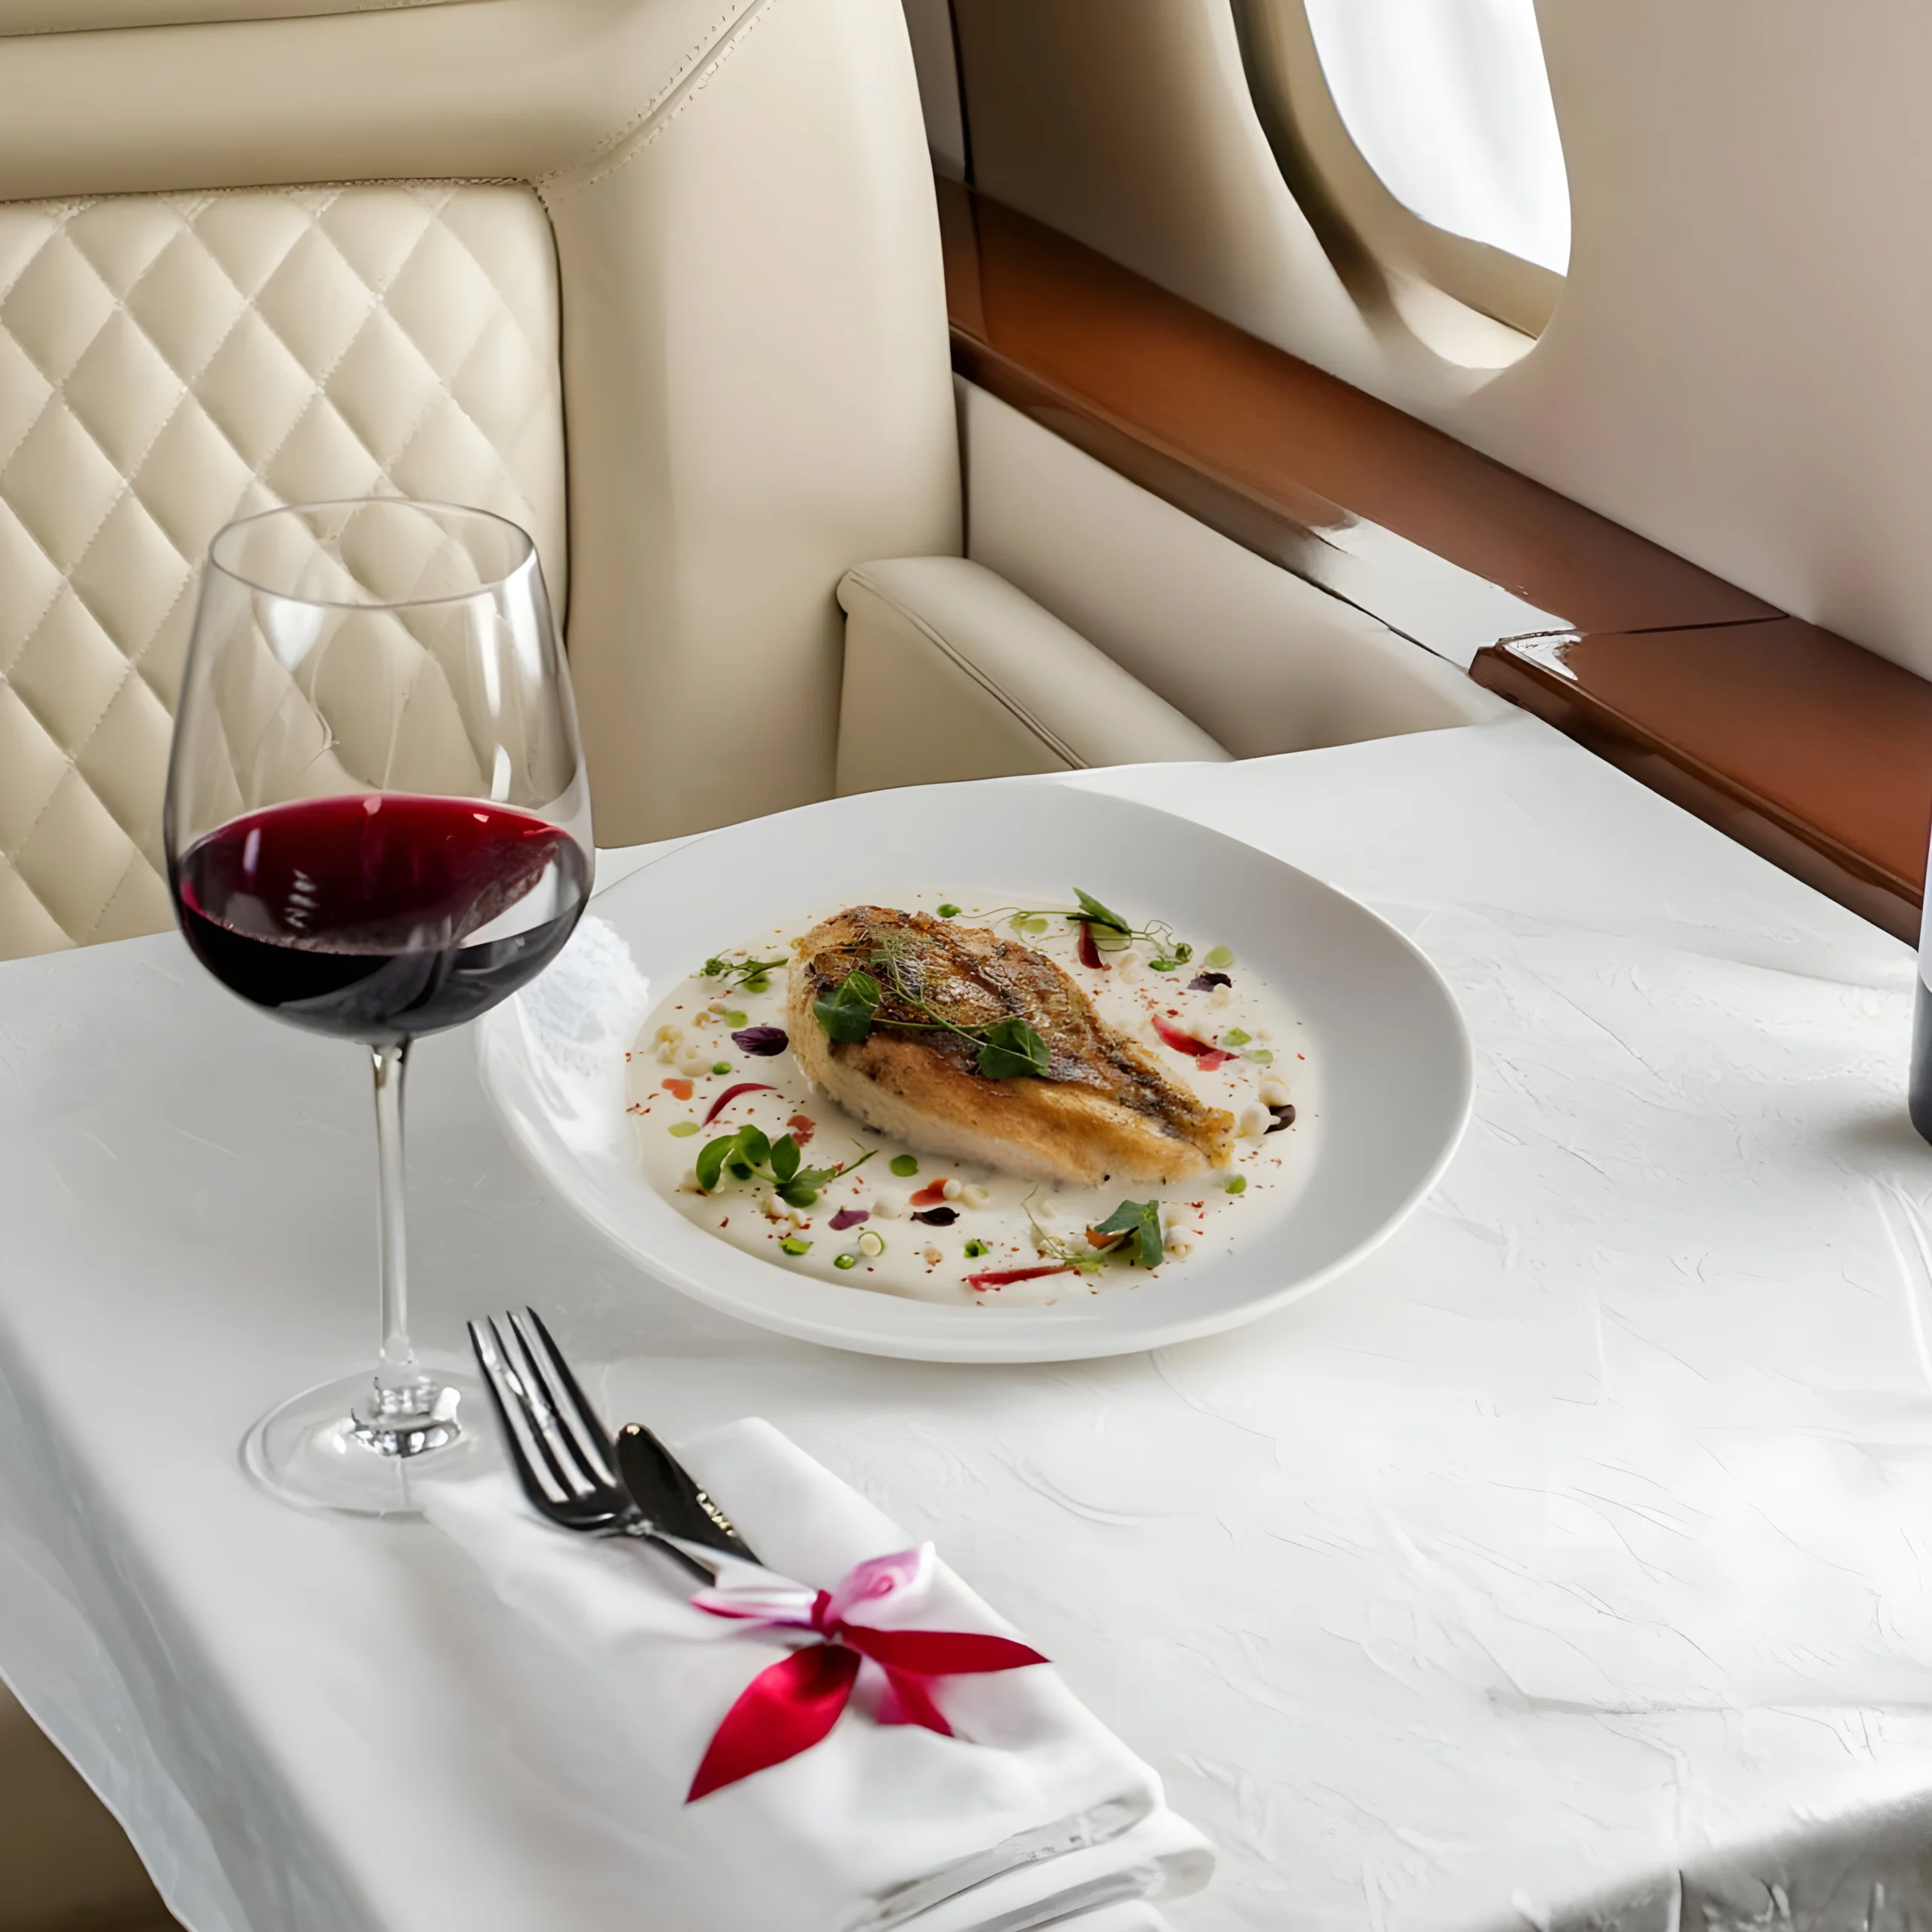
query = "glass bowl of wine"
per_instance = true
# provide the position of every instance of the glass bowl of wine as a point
(377, 825)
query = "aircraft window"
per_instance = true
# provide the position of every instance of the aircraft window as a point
(1449, 102)
(1421, 133)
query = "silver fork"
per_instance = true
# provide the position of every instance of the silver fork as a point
(560, 1451)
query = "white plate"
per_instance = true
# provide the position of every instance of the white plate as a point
(1393, 1053)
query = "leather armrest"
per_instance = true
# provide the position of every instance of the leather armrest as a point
(950, 673)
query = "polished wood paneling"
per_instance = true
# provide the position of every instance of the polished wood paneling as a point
(1797, 743)
(1270, 450)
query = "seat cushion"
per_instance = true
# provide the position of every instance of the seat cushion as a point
(170, 361)
(952, 673)
(744, 254)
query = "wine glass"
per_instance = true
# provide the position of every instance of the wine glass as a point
(377, 825)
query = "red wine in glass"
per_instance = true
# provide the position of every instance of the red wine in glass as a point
(377, 826)
(380, 917)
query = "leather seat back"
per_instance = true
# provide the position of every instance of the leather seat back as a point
(659, 279)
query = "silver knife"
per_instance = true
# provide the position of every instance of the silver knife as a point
(667, 1493)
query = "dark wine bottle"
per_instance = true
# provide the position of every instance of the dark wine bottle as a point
(1920, 1090)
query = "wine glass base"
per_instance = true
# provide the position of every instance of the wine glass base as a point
(314, 1453)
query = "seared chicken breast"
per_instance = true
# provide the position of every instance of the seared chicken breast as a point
(1106, 1111)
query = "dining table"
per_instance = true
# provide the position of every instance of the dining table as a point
(1561, 1563)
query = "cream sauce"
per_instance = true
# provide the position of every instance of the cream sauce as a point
(685, 1060)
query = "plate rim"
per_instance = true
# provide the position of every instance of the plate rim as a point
(999, 1335)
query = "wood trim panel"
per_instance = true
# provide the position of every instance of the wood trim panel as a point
(1273, 452)
(1797, 743)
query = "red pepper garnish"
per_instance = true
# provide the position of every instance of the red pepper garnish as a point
(803, 1127)
(931, 1194)
(1209, 1057)
(682, 1088)
(980, 1284)
(1089, 953)
(731, 1093)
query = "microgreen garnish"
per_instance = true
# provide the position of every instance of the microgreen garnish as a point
(975, 1249)
(1095, 914)
(949, 912)
(1008, 1047)
(1013, 1048)
(1134, 1225)
(753, 976)
(1138, 1222)
(748, 1155)
(1080, 1255)
(1108, 929)
(904, 1165)
(792, 1244)
(846, 1012)
(1235, 1184)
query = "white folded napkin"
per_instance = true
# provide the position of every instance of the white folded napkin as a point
(1033, 1815)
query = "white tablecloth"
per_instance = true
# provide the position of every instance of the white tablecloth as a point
(1577, 1537)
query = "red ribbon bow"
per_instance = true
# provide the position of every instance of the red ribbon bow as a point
(792, 1704)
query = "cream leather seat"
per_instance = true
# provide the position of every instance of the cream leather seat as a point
(659, 279)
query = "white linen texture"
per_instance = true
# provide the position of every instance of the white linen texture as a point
(1034, 1815)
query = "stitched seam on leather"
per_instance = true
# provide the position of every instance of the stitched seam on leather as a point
(13, 858)
(136, 857)
(187, 382)
(1050, 739)
(321, 381)
(127, 476)
(187, 208)
(379, 292)
(445, 385)
(132, 660)
(651, 127)
(322, 377)
(442, 388)
(60, 924)
(73, 763)
(608, 143)
(218, 19)
(78, 204)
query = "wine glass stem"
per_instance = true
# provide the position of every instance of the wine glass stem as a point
(399, 1379)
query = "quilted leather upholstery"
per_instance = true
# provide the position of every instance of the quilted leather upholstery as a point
(753, 342)
(169, 362)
